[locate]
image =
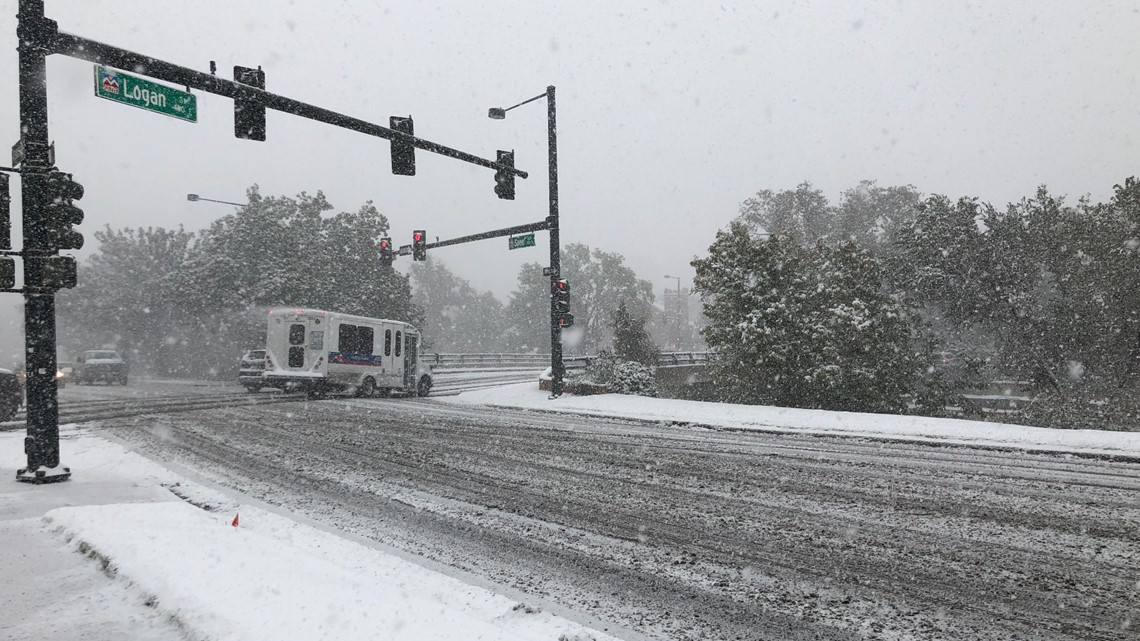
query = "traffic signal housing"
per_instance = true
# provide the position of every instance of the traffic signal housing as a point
(7, 265)
(7, 273)
(403, 152)
(505, 180)
(58, 272)
(59, 214)
(562, 303)
(386, 254)
(419, 245)
(249, 112)
(5, 213)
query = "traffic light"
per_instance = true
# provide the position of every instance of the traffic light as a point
(419, 245)
(505, 180)
(5, 214)
(403, 153)
(562, 303)
(386, 254)
(249, 113)
(60, 213)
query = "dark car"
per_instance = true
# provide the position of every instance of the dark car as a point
(100, 365)
(11, 394)
(251, 369)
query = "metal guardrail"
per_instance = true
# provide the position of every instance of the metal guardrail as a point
(476, 360)
(666, 359)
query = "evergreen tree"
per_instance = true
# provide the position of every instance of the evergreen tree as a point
(631, 341)
(806, 326)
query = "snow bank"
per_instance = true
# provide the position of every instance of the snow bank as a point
(788, 420)
(227, 582)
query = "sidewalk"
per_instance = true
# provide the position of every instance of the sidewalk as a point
(128, 549)
(49, 589)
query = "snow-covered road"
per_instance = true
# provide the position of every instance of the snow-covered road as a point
(688, 533)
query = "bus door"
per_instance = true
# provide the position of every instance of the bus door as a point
(393, 355)
(305, 342)
(296, 335)
(411, 360)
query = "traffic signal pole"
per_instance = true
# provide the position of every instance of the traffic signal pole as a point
(498, 233)
(557, 368)
(102, 53)
(45, 271)
(42, 442)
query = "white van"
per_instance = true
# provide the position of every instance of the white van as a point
(322, 351)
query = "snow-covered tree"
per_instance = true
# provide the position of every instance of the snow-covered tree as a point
(456, 317)
(599, 282)
(631, 340)
(187, 305)
(806, 326)
(528, 312)
(802, 214)
(128, 295)
(868, 214)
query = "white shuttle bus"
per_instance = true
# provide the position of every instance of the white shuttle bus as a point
(322, 351)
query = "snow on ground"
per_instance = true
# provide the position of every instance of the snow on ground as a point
(782, 419)
(270, 577)
(49, 590)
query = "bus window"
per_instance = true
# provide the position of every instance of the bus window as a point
(399, 342)
(347, 339)
(364, 340)
(355, 339)
(297, 334)
(387, 342)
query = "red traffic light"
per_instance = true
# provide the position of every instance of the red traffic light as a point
(386, 253)
(419, 244)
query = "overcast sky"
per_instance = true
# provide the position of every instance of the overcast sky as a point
(670, 113)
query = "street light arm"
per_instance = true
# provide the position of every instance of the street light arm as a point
(541, 95)
(196, 197)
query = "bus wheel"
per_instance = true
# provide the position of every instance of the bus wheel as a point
(367, 388)
(424, 386)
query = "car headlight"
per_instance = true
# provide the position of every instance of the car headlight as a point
(59, 373)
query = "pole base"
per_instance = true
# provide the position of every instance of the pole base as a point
(43, 475)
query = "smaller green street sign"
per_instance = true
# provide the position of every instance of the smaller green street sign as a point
(518, 242)
(144, 94)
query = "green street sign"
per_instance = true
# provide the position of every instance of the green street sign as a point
(144, 94)
(518, 242)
